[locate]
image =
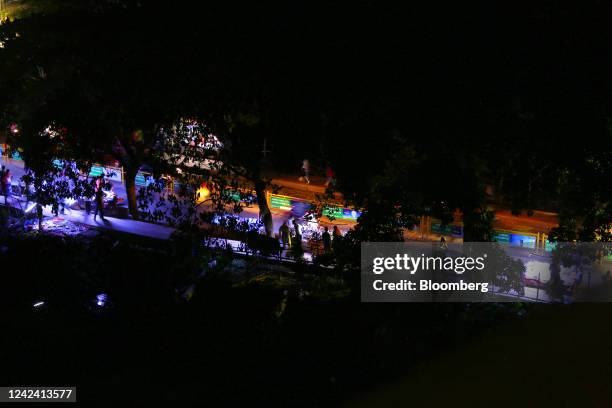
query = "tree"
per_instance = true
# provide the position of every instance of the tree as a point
(191, 184)
(585, 205)
(49, 179)
(63, 72)
(116, 100)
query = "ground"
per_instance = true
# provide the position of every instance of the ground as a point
(281, 337)
(557, 356)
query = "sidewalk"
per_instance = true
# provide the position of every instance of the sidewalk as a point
(126, 226)
(149, 230)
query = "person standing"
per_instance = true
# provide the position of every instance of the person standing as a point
(39, 215)
(99, 197)
(337, 235)
(6, 185)
(283, 231)
(2, 172)
(326, 240)
(298, 234)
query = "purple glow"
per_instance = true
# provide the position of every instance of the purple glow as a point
(101, 299)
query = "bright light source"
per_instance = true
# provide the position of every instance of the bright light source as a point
(38, 304)
(101, 299)
(30, 207)
(202, 193)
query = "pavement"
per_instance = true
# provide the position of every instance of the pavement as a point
(126, 226)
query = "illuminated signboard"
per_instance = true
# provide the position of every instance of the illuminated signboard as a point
(141, 179)
(528, 241)
(350, 214)
(280, 202)
(332, 212)
(109, 173)
(299, 207)
(341, 213)
(241, 196)
(96, 171)
(502, 238)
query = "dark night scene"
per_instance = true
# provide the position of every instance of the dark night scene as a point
(305, 204)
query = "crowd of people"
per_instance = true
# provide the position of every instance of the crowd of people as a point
(292, 237)
(330, 176)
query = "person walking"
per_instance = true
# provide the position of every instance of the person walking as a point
(330, 177)
(99, 197)
(298, 234)
(326, 240)
(306, 169)
(443, 244)
(39, 215)
(284, 234)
